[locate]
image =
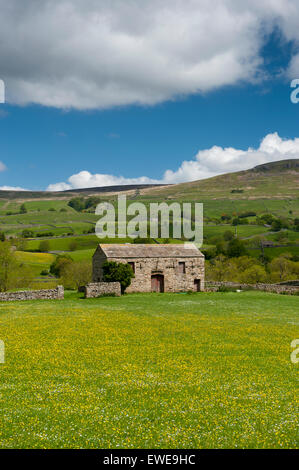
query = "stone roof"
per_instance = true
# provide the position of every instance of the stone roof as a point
(138, 250)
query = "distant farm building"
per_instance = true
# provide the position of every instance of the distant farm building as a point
(157, 268)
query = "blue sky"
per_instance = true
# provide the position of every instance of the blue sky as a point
(42, 144)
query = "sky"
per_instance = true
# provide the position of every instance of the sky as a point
(105, 92)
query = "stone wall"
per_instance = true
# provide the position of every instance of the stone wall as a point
(44, 294)
(97, 289)
(213, 286)
(290, 283)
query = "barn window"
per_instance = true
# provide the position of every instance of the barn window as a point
(132, 264)
(182, 267)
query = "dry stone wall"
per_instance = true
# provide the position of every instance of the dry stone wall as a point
(97, 289)
(294, 283)
(275, 288)
(44, 294)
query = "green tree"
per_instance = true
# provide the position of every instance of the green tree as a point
(256, 241)
(210, 253)
(267, 218)
(58, 265)
(73, 245)
(27, 233)
(23, 209)
(19, 243)
(281, 268)
(77, 203)
(254, 274)
(21, 277)
(2, 237)
(220, 269)
(7, 265)
(12, 274)
(236, 248)
(118, 272)
(276, 225)
(77, 274)
(228, 235)
(92, 202)
(147, 241)
(220, 248)
(225, 217)
(244, 262)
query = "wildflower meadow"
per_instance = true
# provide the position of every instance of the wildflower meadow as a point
(205, 370)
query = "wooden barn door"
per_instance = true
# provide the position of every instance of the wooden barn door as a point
(197, 285)
(157, 283)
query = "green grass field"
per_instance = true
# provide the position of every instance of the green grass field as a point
(277, 181)
(207, 370)
(63, 244)
(85, 242)
(275, 252)
(243, 231)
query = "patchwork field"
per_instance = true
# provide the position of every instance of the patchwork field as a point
(150, 370)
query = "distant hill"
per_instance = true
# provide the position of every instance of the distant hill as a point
(270, 180)
(281, 165)
(73, 192)
(114, 189)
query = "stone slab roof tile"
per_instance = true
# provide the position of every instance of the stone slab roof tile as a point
(128, 250)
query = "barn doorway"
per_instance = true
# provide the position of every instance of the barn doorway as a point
(197, 285)
(157, 283)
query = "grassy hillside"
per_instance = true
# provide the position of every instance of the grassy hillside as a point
(150, 371)
(277, 180)
(267, 189)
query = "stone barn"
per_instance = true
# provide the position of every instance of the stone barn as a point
(157, 268)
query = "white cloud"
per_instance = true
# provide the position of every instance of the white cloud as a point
(85, 179)
(12, 188)
(2, 166)
(59, 187)
(207, 163)
(102, 53)
(219, 160)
